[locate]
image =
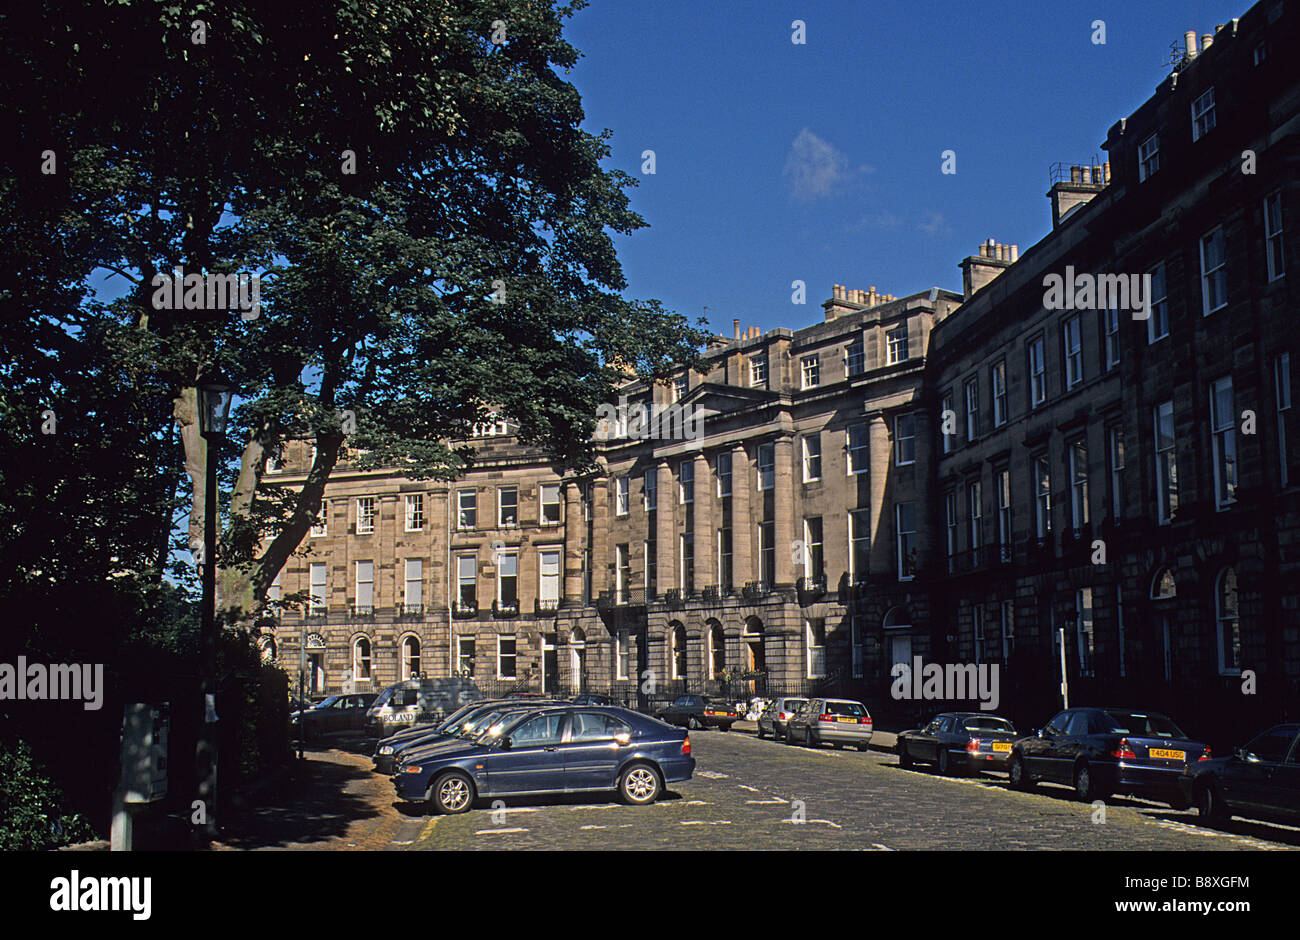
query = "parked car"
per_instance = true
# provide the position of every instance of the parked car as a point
(478, 720)
(966, 742)
(419, 701)
(1100, 751)
(565, 749)
(425, 733)
(837, 721)
(1260, 780)
(334, 713)
(699, 711)
(776, 714)
(591, 698)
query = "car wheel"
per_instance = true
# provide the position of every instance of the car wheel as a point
(785, 737)
(942, 764)
(1210, 806)
(639, 785)
(837, 745)
(904, 758)
(809, 740)
(452, 792)
(724, 727)
(864, 748)
(1018, 774)
(1085, 788)
(761, 733)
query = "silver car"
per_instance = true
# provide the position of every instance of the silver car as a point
(777, 713)
(835, 721)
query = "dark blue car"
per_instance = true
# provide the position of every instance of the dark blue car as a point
(467, 721)
(564, 749)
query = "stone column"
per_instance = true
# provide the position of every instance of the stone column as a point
(602, 548)
(706, 528)
(573, 532)
(743, 523)
(665, 531)
(880, 455)
(783, 508)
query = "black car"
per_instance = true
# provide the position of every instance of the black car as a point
(963, 741)
(592, 698)
(1260, 780)
(335, 713)
(1100, 751)
(699, 711)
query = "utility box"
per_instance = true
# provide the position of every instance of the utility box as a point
(144, 752)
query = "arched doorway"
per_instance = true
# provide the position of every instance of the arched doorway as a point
(677, 650)
(753, 644)
(715, 648)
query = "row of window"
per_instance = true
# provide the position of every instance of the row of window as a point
(810, 366)
(507, 510)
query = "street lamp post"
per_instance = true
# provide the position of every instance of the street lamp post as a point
(214, 398)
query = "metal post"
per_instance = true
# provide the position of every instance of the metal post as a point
(302, 691)
(206, 751)
(1065, 679)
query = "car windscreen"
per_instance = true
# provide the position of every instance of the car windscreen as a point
(986, 723)
(1141, 725)
(328, 702)
(854, 709)
(455, 718)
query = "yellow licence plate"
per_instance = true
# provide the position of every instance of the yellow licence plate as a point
(849, 721)
(1001, 745)
(1163, 754)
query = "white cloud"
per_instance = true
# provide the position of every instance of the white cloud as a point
(816, 167)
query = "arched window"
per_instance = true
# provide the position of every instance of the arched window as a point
(897, 617)
(1229, 625)
(1163, 586)
(361, 658)
(411, 657)
(677, 640)
(716, 648)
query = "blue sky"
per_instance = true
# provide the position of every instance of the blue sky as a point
(821, 161)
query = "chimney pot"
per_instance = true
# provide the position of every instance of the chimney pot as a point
(1075, 174)
(1015, 252)
(1206, 41)
(735, 326)
(1189, 43)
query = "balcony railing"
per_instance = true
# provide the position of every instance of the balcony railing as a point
(755, 590)
(810, 589)
(546, 607)
(505, 609)
(628, 597)
(410, 611)
(362, 611)
(463, 610)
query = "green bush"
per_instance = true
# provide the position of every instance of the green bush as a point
(30, 803)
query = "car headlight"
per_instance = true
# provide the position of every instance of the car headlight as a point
(386, 749)
(411, 769)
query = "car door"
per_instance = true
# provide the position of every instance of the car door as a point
(927, 739)
(1068, 746)
(593, 750)
(533, 761)
(1286, 780)
(1252, 789)
(1039, 759)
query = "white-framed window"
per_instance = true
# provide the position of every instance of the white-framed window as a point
(465, 655)
(1115, 444)
(686, 562)
(1273, 244)
(815, 645)
(767, 552)
(896, 345)
(1072, 341)
(812, 457)
(859, 543)
(810, 371)
(322, 526)
(905, 529)
(975, 514)
(723, 472)
(365, 515)
(550, 499)
(650, 490)
(681, 385)
(1214, 272)
(855, 645)
(467, 582)
(494, 426)
(972, 409)
(414, 512)
(507, 655)
(319, 601)
(466, 509)
(410, 657)
(1282, 385)
(361, 658)
(650, 564)
(904, 440)
(365, 594)
(1148, 157)
(508, 581)
(814, 564)
(856, 444)
(854, 358)
(1166, 462)
(548, 573)
(1158, 321)
(622, 655)
(622, 572)
(1042, 497)
(1078, 457)
(1008, 627)
(1083, 628)
(1203, 114)
(998, 381)
(1110, 325)
(1229, 623)
(622, 489)
(413, 584)
(1004, 513)
(758, 370)
(1223, 442)
(1037, 372)
(950, 527)
(766, 466)
(948, 441)
(507, 506)
(686, 481)
(977, 629)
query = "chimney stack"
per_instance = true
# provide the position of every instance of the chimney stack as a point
(1189, 43)
(978, 270)
(1206, 41)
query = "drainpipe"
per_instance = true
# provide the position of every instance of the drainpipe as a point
(451, 639)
